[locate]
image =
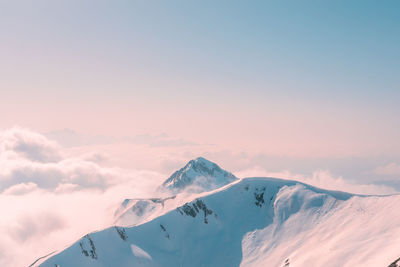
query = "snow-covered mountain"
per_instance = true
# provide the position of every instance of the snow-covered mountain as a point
(196, 176)
(253, 222)
(199, 174)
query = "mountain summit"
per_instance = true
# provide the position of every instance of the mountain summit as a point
(201, 174)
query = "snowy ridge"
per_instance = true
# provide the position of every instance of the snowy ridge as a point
(200, 174)
(255, 222)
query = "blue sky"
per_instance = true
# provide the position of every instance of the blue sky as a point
(311, 49)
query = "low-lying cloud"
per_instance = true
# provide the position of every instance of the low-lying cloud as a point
(51, 197)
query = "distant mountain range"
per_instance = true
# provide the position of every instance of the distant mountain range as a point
(247, 222)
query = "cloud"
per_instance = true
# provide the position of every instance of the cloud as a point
(21, 189)
(323, 179)
(20, 143)
(391, 169)
(50, 175)
(66, 188)
(49, 219)
(28, 159)
(30, 226)
(50, 196)
(55, 218)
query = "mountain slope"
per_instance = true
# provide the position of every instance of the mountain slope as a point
(255, 222)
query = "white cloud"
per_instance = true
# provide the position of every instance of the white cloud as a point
(30, 158)
(392, 169)
(20, 143)
(21, 189)
(55, 219)
(66, 188)
(320, 178)
(52, 197)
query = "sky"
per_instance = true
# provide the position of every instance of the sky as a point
(316, 78)
(103, 99)
(311, 79)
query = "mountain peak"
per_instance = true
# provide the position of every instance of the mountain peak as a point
(201, 162)
(200, 173)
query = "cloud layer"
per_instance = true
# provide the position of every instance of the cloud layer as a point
(51, 197)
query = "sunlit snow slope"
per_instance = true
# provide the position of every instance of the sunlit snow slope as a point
(254, 222)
